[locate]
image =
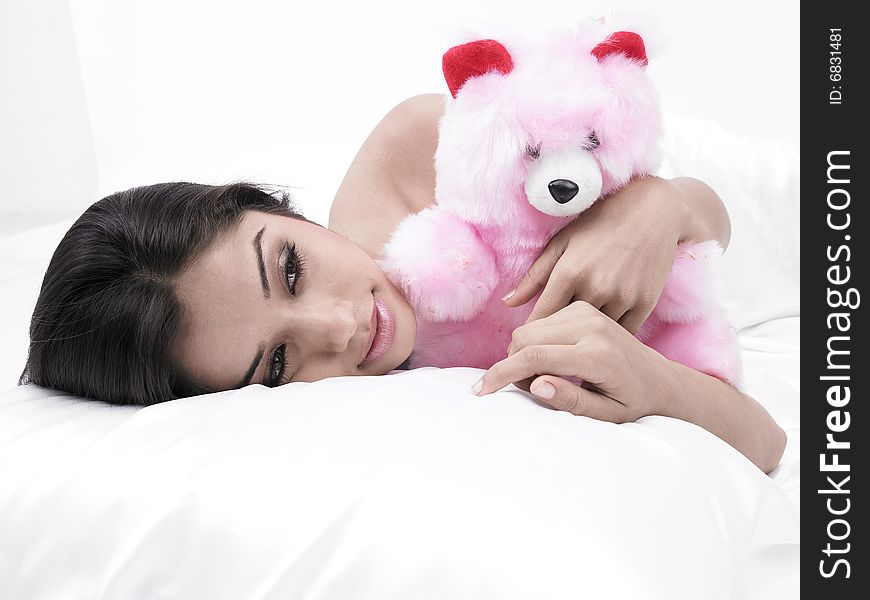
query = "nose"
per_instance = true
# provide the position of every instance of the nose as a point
(326, 327)
(562, 190)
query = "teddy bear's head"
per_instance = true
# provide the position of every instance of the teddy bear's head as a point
(545, 129)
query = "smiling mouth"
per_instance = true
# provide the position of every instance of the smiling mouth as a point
(381, 335)
(373, 332)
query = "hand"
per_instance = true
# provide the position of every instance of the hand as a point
(623, 379)
(616, 256)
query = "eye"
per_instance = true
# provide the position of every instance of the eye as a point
(277, 367)
(593, 140)
(533, 152)
(292, 267)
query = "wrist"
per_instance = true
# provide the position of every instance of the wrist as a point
(672, 391)
(669, 202)
(704, 216)
(682, 210)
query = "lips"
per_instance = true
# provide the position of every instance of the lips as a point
(381, 334)
(373, 329)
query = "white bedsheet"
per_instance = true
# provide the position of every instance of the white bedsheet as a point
(391, 487)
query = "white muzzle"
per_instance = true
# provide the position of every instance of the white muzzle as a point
(564, 183)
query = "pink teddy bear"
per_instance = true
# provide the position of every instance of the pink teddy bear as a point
(531, 138)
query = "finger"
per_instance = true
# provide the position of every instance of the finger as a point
(615, 310)
(566, 326)
(633, 319)
(564, 395)
(556, 296)
(524, 384)
(598, 293)
(538, 274)
(548, 331)
(573, 360)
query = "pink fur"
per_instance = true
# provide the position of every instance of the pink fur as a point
(501, 139)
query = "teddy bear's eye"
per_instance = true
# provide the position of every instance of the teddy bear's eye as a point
(533, 152)
(593, 140)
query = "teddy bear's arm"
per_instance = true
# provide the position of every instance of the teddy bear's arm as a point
(445, 270)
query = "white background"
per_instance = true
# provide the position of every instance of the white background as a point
(102, 95)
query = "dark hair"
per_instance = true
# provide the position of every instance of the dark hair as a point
(107, 313)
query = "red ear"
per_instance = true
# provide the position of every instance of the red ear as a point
(622, 42)
(461, 63)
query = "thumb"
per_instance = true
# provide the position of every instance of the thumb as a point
(570, 397)
(536, 277)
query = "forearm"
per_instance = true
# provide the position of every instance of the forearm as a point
(706, 217)
(725, 412)
(691, 208)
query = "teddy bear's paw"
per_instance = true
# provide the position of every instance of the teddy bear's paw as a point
(458, 290)
(692, 288)
(708, 344)
(441, 265)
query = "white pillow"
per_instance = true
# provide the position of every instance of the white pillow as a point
(402, 486)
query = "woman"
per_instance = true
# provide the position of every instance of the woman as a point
(179, 289)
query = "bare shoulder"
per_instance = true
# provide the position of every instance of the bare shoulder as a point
(393, 174)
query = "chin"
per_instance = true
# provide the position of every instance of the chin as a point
(404, 365)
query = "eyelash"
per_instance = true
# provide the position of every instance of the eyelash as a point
(293, 267)
(534, 152)
(292, 258)
(593, 140)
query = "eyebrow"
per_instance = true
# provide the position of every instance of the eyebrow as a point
(246, 380)
(264, 279)
(267, 292)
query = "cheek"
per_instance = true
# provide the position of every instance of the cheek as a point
(357, 266)
(319, 369)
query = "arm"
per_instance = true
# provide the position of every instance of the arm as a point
(689, 208)
(398, 155)
(706, 217)
(624, 380)
(392, 176)
(617, 254)
(725, 412)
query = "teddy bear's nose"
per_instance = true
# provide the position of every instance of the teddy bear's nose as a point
(563, 190)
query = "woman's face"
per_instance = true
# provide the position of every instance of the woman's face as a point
(278, 299)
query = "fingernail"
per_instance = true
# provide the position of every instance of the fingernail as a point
(544, 390)
(475, 389)
(508, 296)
